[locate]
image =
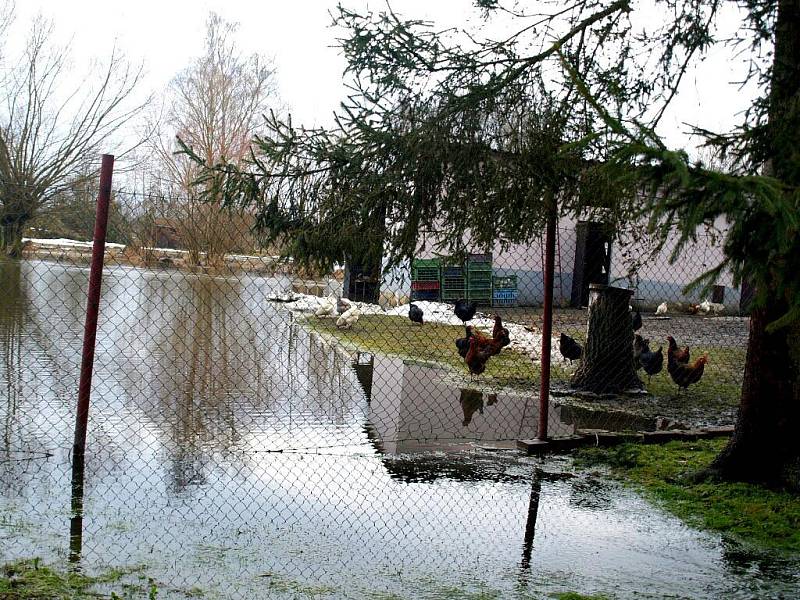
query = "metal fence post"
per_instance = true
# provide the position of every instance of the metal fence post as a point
(87, 359)
(547, 321)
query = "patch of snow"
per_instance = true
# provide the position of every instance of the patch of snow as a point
(522, 340)
(67, 243)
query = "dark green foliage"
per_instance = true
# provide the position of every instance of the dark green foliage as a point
(479, 139)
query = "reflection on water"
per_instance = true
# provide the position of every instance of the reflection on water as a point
(226, 443)
(417, 407)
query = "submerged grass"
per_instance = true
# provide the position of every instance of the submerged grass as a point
(30, 579)
(752, 514)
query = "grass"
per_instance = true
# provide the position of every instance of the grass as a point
(278, 584)
(721, 382)
(29, 579)
(751, 514)
(435, 343)
(432, 343)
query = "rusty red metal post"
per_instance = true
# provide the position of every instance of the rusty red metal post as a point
(547, 321)
(92, 308)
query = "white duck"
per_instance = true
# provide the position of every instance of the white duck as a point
(662, 309)
(326, 308)
(349, 317)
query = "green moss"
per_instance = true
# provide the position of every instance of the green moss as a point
(751, 514)
(577, 596)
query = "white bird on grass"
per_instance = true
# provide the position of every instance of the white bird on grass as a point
(327, 307)
(348, 318)
(662, 309)
(714, 307)
(342, 305)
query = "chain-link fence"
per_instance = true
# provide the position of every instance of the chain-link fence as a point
(256, 430)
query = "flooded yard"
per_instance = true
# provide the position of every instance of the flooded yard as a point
(233, 453)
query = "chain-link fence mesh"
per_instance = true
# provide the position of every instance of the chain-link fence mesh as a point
(256, 430)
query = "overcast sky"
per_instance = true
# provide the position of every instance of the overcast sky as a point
(165, 34)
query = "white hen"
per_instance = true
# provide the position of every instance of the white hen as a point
(348, 318)
(327, 307)
(662, 309)
(342, 305)
(713, 307)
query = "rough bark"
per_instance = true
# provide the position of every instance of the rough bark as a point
(765, 447)
(11, 236)
(607, 365)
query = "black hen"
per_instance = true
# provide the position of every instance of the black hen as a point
(569, 348)
(415, 313)
(465, 310)
(640, 345)
(463, 343)
(652, 362)
(636, 319)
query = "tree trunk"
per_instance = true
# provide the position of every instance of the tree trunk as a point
(11, 230)
(607, 364)
(765, 447)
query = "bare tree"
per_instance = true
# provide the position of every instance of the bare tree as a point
(215, 106)
(51, 126)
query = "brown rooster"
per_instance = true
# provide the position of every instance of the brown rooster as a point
(477, 355)
(685, 375)
(492, 345)
(675, 354)
(500, 333)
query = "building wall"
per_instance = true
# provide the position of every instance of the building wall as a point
(658, 279)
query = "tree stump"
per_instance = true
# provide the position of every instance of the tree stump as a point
(607, 365)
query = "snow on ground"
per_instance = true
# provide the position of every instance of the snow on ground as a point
(66, 242)
(522, 340)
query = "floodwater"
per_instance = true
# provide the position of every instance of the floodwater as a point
(229, 451)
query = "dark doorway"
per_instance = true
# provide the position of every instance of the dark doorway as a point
(592, 260)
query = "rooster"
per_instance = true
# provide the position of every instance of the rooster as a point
(500, 333)
(662, 309)
(674, 354)
(636, 319)
(465, 310)
(476, 358)
(640, 345)
(652, 362)
(415, 313)
(463, 343)
(569, 348)
(685, 375)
